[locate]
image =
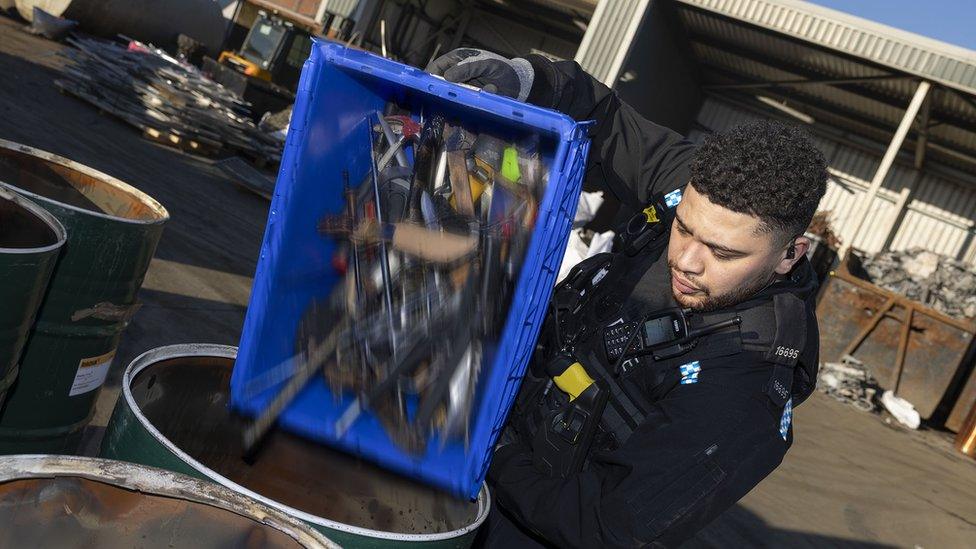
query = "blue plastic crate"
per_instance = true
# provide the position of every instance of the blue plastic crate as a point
(339, 87)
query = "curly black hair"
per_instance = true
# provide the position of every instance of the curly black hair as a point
(770, 170)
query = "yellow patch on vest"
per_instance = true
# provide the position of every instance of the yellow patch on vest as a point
(651, 214)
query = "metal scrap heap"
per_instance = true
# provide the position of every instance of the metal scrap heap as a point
(942, 283)
(169, 101)
(849, 381)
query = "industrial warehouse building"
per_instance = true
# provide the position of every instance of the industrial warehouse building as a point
(894, 112)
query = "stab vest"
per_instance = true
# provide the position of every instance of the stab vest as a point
(594, 294)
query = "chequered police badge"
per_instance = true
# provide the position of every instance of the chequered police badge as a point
(689, 372)
(784, 422)
(673, 198)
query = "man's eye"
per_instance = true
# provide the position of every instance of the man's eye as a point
(681, 228)
(723, 256)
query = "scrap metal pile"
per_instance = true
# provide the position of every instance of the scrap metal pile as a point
(429, 247)
(170, 101)
(850, 382)
(940, 282)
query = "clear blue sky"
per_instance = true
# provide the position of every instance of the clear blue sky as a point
(952, 21)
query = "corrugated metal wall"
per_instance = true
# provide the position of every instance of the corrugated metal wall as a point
(939, 215)
(608, 37)
(341, 7)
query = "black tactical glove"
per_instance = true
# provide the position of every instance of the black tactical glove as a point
(486, 70)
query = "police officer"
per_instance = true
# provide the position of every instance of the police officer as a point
(711, 256)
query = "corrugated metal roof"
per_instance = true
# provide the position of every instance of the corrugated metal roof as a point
(608, 37)
(931, 59)
(746, 48)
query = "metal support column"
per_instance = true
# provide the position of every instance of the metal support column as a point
(320, 13)
(894, 146)
(923, 132)
(609, 36)
(901, 208)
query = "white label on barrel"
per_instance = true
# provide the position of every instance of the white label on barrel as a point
(91, 373)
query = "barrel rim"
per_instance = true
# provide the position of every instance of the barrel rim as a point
(161, 212)
(60, 233)
(168, 352)
(159, 482)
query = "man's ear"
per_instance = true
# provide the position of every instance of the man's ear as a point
(800, 246)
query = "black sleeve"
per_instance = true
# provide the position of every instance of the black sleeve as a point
(630, 157)
(698, 451)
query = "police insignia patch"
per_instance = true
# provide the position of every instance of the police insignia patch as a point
(689, 372)
(786, 419)
(673, 198)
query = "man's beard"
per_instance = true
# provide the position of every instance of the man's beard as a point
(709, 302)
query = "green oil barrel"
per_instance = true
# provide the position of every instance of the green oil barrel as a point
(30, 241)
(112, 231)
(69, 501)
(173, 413)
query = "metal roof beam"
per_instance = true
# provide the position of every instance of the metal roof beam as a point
(870, 147)
(922, 126)
(823, 113)
(764, 60)
(806, 74)
(965, 97)
(802, 101)
(808, 81)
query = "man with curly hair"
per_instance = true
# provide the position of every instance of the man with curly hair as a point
(691, 424)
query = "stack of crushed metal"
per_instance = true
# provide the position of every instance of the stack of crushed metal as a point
(429, 247)
(171, 102)
(940, 282)
(849, 381)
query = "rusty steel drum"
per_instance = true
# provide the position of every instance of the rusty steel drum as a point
(112, 232)
(30, 243)
(68, 501)
(173, 414)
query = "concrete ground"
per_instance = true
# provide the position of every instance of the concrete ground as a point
(851, 480)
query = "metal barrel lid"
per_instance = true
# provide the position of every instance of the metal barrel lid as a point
(81, 500)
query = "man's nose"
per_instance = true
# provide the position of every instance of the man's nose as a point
(690, 259)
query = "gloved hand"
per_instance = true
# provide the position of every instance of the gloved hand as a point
(486, 70)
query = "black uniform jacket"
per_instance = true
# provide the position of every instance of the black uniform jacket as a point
(702, 445)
